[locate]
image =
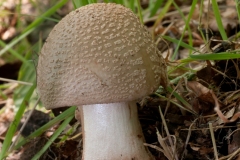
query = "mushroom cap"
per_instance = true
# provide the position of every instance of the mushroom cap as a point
(99, 53)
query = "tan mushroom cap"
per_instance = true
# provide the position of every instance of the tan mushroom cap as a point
(99, 53)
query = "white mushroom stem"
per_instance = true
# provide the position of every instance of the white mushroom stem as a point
(112, 132)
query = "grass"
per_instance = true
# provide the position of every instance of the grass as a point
(30, 28)
(24, 95)
(13, 127)
(219, 20)
(54, 136)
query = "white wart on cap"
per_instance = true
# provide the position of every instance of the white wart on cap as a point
(98, 54)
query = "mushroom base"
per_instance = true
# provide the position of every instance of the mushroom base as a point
(112, 132)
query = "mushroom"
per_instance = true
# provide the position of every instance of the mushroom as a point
(102, 59)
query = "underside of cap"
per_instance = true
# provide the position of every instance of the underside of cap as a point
(99, 53)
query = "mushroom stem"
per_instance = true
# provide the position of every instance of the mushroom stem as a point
(112, 132)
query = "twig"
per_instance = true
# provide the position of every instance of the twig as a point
(213, 141)
(172, 144)
(23, 126)
(188, 138)
(14, 81)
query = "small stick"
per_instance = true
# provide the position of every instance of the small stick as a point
(23, 126)
(213, 141)
(15, 81)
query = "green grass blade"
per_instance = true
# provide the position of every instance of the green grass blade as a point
(27, 73)
(177, 96)
(154, 6)
(92, 1)
(13, 127)
(53, 137)
(69, 112)
(131, 5)
(190, 40)
(162, 13)
(218, 56)
(79, 3)
(75, 4)
(238, 8)
(14, 53)
(139, 11)
(187, 23)
(119, 2)
(33, 25)
(181, 43)
(219, 19)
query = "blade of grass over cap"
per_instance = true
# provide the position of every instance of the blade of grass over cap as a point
(219, 19)
(33, 25)
(13, 127)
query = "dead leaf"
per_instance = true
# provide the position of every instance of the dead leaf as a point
(235, 143)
